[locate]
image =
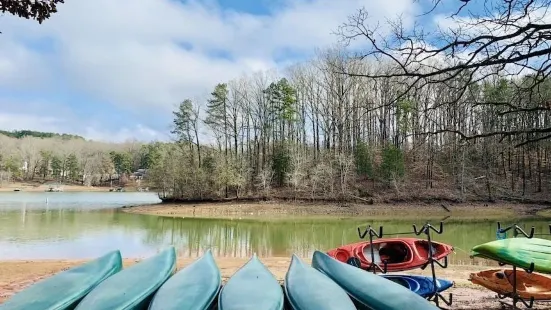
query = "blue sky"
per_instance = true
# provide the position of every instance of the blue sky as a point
(114, 70)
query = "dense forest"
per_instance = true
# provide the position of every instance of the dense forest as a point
(315, 134)
(43, 157)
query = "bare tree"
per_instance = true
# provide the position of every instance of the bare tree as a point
(505, 39)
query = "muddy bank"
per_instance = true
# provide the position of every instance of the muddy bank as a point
(275, 209)
(16, 275)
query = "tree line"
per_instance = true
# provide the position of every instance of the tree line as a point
(39, 156)
(314, 133)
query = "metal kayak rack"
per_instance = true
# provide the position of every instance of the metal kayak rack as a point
(425, 229)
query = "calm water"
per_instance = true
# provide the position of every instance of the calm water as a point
(85, 225)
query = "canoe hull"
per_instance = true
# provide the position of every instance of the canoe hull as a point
(66, 289)
(421, 285)
(501, 282)
(382, 294)
(518, 252)
(309, 289)
(400, 253)
(252, 287)
(138, 282)
(195, 287)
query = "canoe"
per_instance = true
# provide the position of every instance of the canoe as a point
(421, 285)
(368, 290)
(133, 287)
(400, 253)
(65, 289)
(195, 287)
(518, 252)
(251, 287)
(501, 281)
(309, 289)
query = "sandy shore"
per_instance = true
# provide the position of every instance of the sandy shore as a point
(282, 209)
(16, 275)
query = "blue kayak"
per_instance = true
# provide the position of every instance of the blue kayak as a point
(195, 287)
(421, 285)
(308, 289)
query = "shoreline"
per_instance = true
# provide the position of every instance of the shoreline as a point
(19, 274)
(277, 210)
(35, 187)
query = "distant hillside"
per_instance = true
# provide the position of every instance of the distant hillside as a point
(18, 134)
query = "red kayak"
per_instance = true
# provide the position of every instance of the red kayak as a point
(400, 253)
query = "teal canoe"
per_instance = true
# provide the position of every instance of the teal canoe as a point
(520, 252)
(252, 287)
(370, 291)
(65, 289)
(133, 287)
(309, 289)
(195, 287)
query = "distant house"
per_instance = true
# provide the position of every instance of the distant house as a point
(139, 174)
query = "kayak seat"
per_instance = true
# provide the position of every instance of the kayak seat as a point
(394, 253)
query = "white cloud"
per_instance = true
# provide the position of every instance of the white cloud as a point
(128, 52)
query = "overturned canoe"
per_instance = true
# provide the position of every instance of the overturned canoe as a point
(368, 290)
(65, 289)
(520, 252)
(251, 287)
(399, 253)
(309, 289)
(421, 285)
(501, 282)
(195, 287)
(132, 288)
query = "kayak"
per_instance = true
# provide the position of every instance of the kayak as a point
(251, 287)
(368, 290)
(501, 281)
(131, 288)
(400, 253)
(519, 252)
(309, 289)
(65, 289)
(421, 285)
(195, 287)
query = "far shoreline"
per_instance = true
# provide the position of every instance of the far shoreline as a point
(273, 209)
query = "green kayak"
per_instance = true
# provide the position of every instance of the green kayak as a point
(132, 288)
(518, 252)
(251, 287)
(309, 289)
(193, 288)
(65, 289)
(370, 291)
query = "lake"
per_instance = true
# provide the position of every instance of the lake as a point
(86, 225)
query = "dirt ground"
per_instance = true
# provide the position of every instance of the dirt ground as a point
(16, 275)
(281, 209)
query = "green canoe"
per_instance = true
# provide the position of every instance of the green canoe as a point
(518, 252)
(132, 288)
(193, 288)
(309, 289)
(65, 289)
(252, 287)
(368, 290)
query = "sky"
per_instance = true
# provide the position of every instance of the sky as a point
(113, 70)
